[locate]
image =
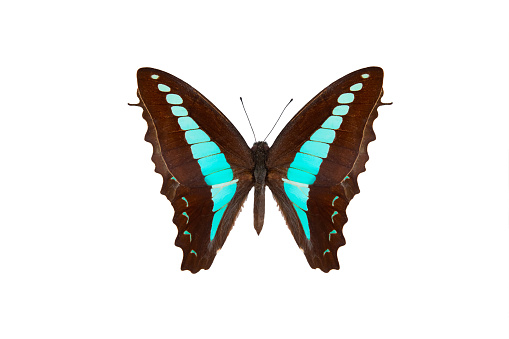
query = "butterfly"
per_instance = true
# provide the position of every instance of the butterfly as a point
(311, 169)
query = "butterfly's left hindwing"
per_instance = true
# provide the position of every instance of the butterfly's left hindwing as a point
(314, 162)
(205, 163)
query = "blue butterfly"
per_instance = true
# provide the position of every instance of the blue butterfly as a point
(311, 169)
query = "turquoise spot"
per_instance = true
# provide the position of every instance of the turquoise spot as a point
(347, 177)
(187, 123)
(222, 196)
(331, 233)
(340, 110)
(163, 88)
(356, 87)
(298, 195)
(154, 76)
(344, 98)
(189, 234)
(334, 200)
(219, 177)
(333, 214)
(324, 135)
(204, 149)
(365, 76)
(174, 99)
(303, 220)
(196, 136)
(173, 178)
(214, 163)
(215, 222)
(185, 215)
(326, 251)
(297, 175)
(306, 163)
(333, 122)
(318, 149)
(193, 252)
(187, 202)
(179, 111)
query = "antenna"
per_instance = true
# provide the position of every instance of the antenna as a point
(278, 119)
(242, 102)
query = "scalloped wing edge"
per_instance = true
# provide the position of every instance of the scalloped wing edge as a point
(350, 183)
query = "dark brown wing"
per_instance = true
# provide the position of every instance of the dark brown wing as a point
(205, 163)
(314, 163)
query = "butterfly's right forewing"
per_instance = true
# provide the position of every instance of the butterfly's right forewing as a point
(205, 163)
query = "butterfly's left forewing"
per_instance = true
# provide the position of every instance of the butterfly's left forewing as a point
(314, 163)
(205, 163)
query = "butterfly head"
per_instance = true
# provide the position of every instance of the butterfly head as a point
(260, 146)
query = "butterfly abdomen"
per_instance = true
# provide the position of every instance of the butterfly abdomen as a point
(260, 151)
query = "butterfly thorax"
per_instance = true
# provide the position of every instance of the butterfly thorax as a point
(260, 152)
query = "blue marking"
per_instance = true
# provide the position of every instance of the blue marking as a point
(326, 251)
(154, 76)
(298, 195)
(324, 135)
(331, 233)
(173, 178)
(196, 136)
(222, 196)
(334, 200)
(356, 87)
(187, 123)
(306, 163)
(297, 175)
(333, 122)
(179, 111)
(303, 220)
(344, 98)
(219, 177)
(347, 177)
(318, 149)
(215, 222)
(214, 163)
(189, 234)
(204, 149)
(163, 88)
(333, 214)
(193, 252)
(174, 99)
(365, 76)
(340, 110)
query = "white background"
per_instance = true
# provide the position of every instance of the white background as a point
(86, 242)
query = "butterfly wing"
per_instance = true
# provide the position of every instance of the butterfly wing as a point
(205, 163)
(314, 162)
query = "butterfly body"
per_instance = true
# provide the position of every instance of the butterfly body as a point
(260, 152)
(311, 169)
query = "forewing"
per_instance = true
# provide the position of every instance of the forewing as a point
(205, 163)
(314, 163)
